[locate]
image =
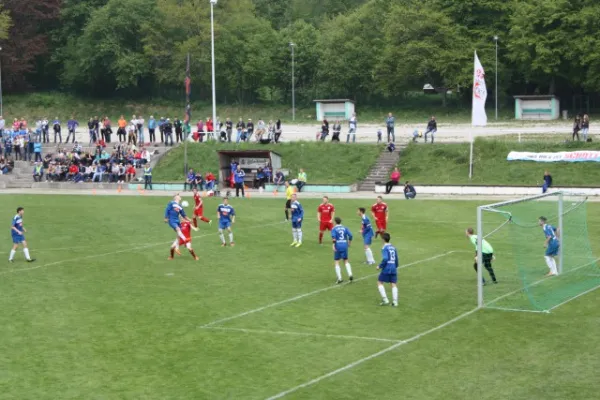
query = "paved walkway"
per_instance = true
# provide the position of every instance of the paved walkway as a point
(446, 132)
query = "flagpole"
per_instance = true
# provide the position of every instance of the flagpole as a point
(471, 155)
(188, 113)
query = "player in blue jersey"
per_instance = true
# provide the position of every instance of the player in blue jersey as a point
(173, 212)
(388, 274)
(297, 217)
(342, 238)
(17, 231)
(551, 244)
(226, 217)
(367, 233)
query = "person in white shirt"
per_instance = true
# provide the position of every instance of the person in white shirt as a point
(140, 129)
(2, 125)
(131, 134)
(352, 129)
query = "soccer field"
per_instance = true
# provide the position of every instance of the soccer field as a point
(102, 313)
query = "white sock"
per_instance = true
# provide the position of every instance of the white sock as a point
(175, 243)
(553, 268)
(294, 234)
(338, 272)
(300, 235)
(230, 237)
(26, 251)
(369, 255)
(395, 294)
(181, 235)
(551, 264)
(222, 237)
(348, 269)
(12, 255)
(382, 293)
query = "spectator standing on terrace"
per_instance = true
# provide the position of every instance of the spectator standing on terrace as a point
(72, 125)
(8, 146)
(210, 129)
(352, 123)
(178, 125)
(37, 150)
(585, 127)
(38, 129)
(161, 128)
(301, 180)
(389, 123)
(337, 129)
(57, 129)
(131, 134)
(140, 130)
(121, 132)
(17, 145)
(2, 125)
(168, 128)
(409, 191)
(240, 126)
(107, 128)
(277, 130)
(28, 147)
(576, 127)
(547, 181)
(324, 130)
(228, 129)
(152, 129)
(249, 130)
(45, 128)
(431, 128)
(394, 179)
(91, 130)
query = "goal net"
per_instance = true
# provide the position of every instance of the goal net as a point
(514, 232)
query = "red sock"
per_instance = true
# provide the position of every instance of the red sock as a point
(320, 237)
(172, 252)
(204, 219)
(195, 222)
(193, 253)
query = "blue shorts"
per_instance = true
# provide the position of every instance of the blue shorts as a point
(367, 239)
(552, 250)
(18, 239)
(174, 225)
(388, 278)
(224, 224)
(297, 225)
(340, 255)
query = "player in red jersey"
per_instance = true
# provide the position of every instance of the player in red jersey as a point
(186, 229)
(325, 214)
(380, 214)
(199, 209)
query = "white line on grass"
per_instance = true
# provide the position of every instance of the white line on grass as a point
(372, 356)
(301, 296)
(332, 336)
(12, 271)
(573, 298)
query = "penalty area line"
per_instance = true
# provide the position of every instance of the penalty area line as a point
(370, 357)
(314, 292)
(306, 334)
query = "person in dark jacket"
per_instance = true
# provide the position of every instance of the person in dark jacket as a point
(547, 181)
(431, 128)
(409, 191)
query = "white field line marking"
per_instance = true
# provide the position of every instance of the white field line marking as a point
(537, 283)
(301, 296)
(118, 251)
(372, 356)
(324, 335)
(573, 298)
(516, 310)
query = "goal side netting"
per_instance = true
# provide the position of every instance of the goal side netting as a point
(513, 230)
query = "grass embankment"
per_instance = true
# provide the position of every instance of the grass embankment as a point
(449, 164)
(54, 104)
(324, 163)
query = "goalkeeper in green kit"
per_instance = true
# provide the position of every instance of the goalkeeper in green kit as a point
(487, 253)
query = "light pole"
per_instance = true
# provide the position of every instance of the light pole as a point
(212, 50)
(1, 113)
(293, 85)
(496, 89)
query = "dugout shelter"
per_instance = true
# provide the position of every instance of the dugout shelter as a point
(249, 161)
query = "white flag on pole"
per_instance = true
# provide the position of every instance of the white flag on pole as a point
(478, 117)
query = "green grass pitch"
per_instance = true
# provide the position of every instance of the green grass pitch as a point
(102, 314)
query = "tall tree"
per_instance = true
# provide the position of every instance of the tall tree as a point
(27, 41)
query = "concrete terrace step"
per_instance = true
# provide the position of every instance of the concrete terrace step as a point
(380, 171)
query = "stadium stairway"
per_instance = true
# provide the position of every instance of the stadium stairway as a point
(381, 170)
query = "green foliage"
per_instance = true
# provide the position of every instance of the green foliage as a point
(448, 164)
(5, 22)
(326, 163)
